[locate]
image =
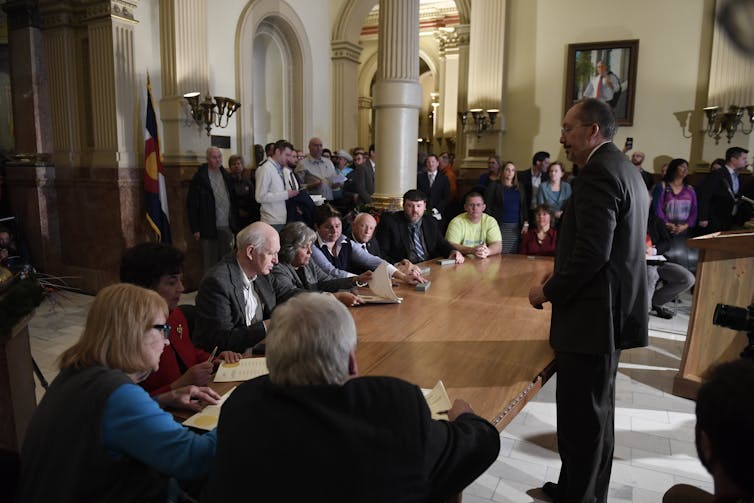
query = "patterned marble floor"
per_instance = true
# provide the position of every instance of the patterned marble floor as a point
(654, 429)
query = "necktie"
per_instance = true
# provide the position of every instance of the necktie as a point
(431, 179)
(735, 184)
(599, 87)
(418, 248)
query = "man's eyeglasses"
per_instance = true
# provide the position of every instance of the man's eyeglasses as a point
(165, 329)
(566, 130)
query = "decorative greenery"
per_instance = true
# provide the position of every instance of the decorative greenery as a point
(22, 293)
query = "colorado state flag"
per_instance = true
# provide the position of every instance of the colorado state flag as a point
(154, 177)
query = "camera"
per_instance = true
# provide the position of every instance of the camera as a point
(737, 318)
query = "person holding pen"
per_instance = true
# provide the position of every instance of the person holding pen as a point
(159, 267)
(96, 435)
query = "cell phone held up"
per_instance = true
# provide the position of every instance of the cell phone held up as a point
(629, 143)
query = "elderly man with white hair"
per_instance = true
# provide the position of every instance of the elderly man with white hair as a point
(346, 438)
(236, 295)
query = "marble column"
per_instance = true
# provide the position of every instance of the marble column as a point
(65, 67)
(30, 100)
(110, 27)
(30, 174)
(454, 49)
(485, 91)
(397, 101)
(345, 101)
(185, 68)
(365, 121)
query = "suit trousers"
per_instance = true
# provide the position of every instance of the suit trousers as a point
(585, 397)
(215, 249)
(673, 280)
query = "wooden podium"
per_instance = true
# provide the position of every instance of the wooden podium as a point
(725, 275)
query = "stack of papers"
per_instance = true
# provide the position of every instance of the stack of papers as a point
(207, 418)
(243, 370)
(382, 287)
(438, 401)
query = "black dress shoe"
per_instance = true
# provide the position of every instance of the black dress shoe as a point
(551, 490)
(663, 312)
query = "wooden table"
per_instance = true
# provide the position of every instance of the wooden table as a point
(474, 329)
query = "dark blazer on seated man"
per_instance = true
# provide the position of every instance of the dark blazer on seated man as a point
(344, 438)
(221, 312)
(395, 233)
(221, 301)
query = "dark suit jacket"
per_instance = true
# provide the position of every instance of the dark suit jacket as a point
(524, 179)
(200, 203)
(395, 240)
(439, 195)
(363, 182)
(716, 201)
(287, 283)
(373, 247)
(220, 308)
(371, 439)
(598, 290)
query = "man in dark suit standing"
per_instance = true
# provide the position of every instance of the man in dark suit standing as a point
(375, 435)
(437, 188)
(412, 235)
(599, 298)
(236, 295)
(363, 179)
(718, 206)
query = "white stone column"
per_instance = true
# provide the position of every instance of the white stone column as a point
(185, 68)
(397, 100)
(113, 92)
(365, 121)
(454, 47)
(485, 91)
(345, 100)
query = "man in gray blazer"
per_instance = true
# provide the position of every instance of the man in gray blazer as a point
(599, 298)
(236, 295)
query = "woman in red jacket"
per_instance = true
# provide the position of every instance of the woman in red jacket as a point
(542, 238)
(159, 267)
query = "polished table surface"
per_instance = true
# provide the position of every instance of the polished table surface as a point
(473, 328)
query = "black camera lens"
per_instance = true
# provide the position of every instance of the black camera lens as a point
(736, 318)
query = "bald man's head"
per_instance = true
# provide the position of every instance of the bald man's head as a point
(363, 227)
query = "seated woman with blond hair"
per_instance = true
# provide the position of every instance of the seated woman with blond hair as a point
(98, 436)
(542, 238)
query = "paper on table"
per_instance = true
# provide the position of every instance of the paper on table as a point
(438, 401)
(243, 370)
(207, 418)
(656, 258)
(382, 287)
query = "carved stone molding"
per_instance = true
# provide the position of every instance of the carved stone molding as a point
(448, 41)
(123, 9)
(22, 14)
(343, 49)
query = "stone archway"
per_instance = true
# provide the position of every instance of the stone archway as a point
(278, 21)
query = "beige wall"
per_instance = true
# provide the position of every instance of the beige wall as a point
(674, 44)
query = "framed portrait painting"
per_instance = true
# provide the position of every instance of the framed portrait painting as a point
(604, 70)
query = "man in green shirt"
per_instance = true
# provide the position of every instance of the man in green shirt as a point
(475, 232)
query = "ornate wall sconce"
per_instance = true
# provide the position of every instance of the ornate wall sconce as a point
(211, 113)
(483, 120)
(728, 123)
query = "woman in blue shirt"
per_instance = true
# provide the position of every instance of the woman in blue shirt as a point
(97, 435)
(555, 192)
(507, 201)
